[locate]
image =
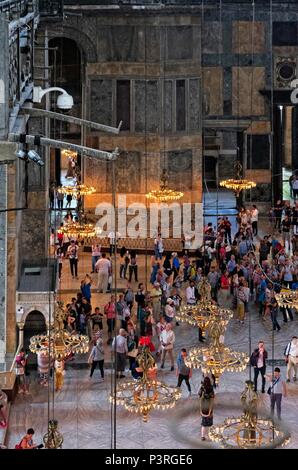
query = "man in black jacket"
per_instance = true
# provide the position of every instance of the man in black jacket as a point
(258, 361)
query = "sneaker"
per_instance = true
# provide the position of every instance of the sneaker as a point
(263, 391)
(288, 380)
(295, 378)
(172, 368)
(162, 366)
(203, 438)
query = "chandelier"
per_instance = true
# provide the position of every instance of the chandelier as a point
(145, 394)
(248, 431)
(237, 184)
(78, 229)
(77, 190)
(59, 343)
(53, 439)
(205, 312)
(287, 298)
(216, 358)
(164, 193)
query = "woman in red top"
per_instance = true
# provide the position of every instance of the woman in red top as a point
(224, 287)
(110, 312)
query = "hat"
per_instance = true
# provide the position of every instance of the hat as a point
(170, 301)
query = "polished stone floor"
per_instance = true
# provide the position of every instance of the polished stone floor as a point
(83, 409)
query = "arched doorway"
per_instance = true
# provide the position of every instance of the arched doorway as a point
(35, 324)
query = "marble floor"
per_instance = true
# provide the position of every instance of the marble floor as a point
(83, 409)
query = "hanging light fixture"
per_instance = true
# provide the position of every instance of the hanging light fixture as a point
(287, 298)
(53, 439)
(59, 343)
(76, 190)
(237, 184)
(248, 431)
(216, 358)
(164, 193)
(145, 394)
(206, 312)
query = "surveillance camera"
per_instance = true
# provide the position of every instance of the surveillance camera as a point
(65, 101)
(21, 154)
(34, 157)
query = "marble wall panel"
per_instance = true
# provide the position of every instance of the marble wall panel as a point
(101, 101)
(245, 81)
(212, 37)
(179, 164)
(213, 90)
(179, 42)
(247, 39)
(147, 110)
(127, 173)
(194, 104)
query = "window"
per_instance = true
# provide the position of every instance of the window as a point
(123, 104)
(180, 106)
(258, 152)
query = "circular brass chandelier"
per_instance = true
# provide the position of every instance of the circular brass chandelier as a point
(53, 439)
(164, 193)
(78, 230)
(248, 431)
(237, 184)
(77, 190)
(59, 343)
(287, 298)
(145, 394)
(205, 312)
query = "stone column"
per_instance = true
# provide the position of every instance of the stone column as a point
(21, 325)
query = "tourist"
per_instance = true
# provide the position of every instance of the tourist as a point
(95, 254)
(129, 297)
(119, 346)
(278, 214)
(21, 361)
(277, 390)
(258, 361)
(72, 255)
(59, 374)
(167, 339)
(273, 307)
(44, 366)
(169, 310)
(183, 372)
(59, 257)
(86, 287)
(158, 247)
(254, 220)
(241, 299)
(133, 267)
(96, 357)
(97, 318)
(123, 312)
(103, 268)
(27, 441)
(175, 265)
(110, 312)
(291, 358)
(167, 267)
(3, 409)
(160, 326)
(206, 394)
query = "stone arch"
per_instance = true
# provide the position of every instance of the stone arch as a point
(35, 308)
(86, 46)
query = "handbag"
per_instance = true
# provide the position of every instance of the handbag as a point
(269, 391)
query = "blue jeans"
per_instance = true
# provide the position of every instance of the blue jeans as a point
(94, 261)
(158, 254)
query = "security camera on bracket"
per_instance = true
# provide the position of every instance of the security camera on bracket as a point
(64, 100)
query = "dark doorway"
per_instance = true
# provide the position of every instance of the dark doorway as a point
(35, 324)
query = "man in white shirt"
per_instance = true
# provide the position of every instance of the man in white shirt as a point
(291, 358)
(254, 216)
(103, 268)
(113, 241)
(119, 346)
(190, 294)
(167, 340)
